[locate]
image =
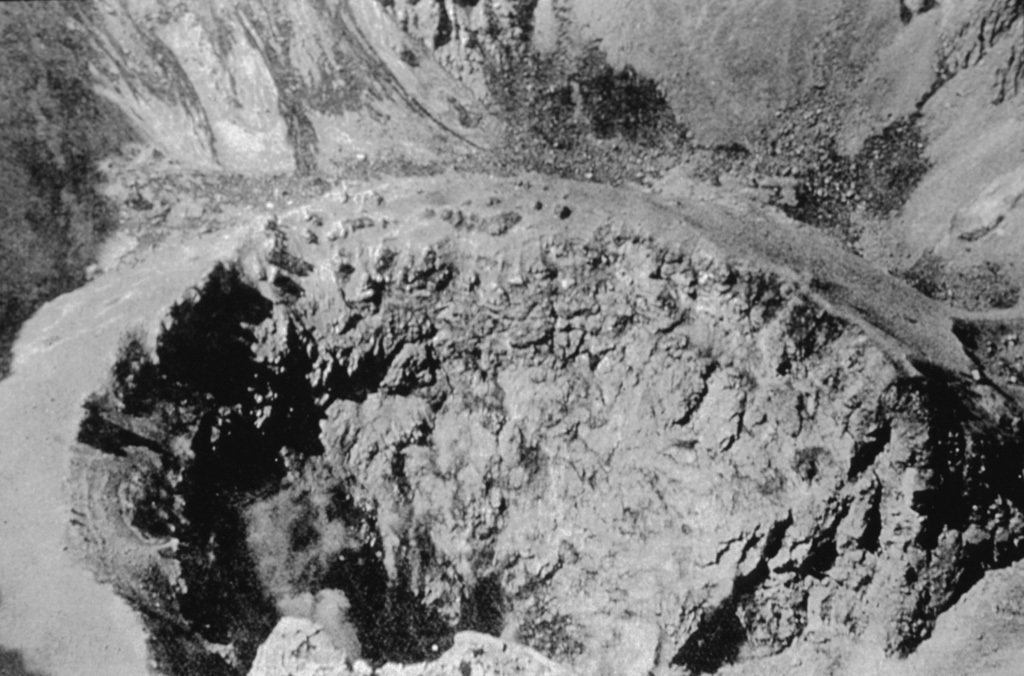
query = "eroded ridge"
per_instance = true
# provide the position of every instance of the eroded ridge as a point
(615, 444)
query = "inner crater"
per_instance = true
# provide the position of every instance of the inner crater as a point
(613, 444)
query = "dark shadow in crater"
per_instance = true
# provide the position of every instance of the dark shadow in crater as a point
(393, 624)
(716, 643)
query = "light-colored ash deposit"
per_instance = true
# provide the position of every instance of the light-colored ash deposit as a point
(539, 337)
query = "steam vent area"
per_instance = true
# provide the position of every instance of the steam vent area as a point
(511, 338)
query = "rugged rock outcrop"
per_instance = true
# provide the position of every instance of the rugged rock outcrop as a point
(297, 648)
(616, 443)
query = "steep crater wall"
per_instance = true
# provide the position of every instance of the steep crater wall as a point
(615, 443)
(246, 88)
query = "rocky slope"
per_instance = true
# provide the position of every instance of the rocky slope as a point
(840, 114)
(251, 88)
(420, 408)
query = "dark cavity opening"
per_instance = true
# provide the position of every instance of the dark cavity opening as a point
(721, 635)
(484, 608)
(866, 450)
(228, 420)
(716, 642)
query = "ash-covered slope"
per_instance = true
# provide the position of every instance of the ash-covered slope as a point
(432, 405)
(272, 87)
